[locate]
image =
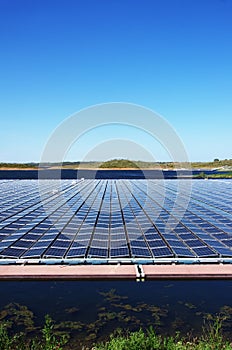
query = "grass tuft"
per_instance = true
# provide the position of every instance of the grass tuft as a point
(211, 339)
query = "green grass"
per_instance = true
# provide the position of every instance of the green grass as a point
(227, 175)
(202, 175)
(211, 339)
(48, 340)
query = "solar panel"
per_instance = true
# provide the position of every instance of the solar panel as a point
(186, 236)
(23, 244)
(228, 242)
(195, 243)
(114, 218)
(42, 243)
(55, 252)
(98, 252)
(162, 252)
(140, 252)
(156, 243)
(204, 252)
(31, 237)
(175, 243)
(61, 244)
(224, 251)
(3, 245)
(182, 252)
(153, 236)
(119, 252)
(100, 243)
(76, 253)
(138, 243)
(12, 252)
(34, 253)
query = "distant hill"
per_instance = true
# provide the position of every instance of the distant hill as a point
(223, 165)
(119, 163)
(19, 165)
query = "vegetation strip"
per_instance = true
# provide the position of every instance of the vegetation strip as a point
(224, 165)
(211, 339)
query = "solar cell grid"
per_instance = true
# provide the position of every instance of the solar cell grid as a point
(228, 242)
(138, 243)
(33, 253)
(119, 252)
(61, 244)
(156, 243)
(182, 252)
(202, 251)
(12, 252)
(118, 243)
(219, 235)
(48, 236)
(55, 252)
(99, 244)
(208, 217)
(162, 252)
(225, 252)
(76, 252)
(42, 243)
(98, 252)
(23, 244)
(153, 238)
(195, 243)
(140, 252)
(82, 242)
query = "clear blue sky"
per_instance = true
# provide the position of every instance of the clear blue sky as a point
(59, 56)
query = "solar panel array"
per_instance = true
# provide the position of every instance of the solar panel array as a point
(115, 219)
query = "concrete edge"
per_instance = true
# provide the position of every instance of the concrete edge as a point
(114, 272)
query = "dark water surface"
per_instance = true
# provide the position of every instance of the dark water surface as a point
(90, 311)
(99, 174)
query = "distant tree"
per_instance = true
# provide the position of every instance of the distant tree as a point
(216, 160)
